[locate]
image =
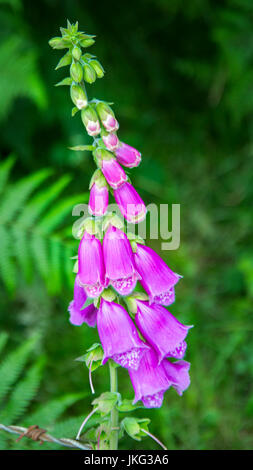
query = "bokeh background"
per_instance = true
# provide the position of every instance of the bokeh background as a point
(180, 75)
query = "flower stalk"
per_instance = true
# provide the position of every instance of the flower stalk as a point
(112, 269)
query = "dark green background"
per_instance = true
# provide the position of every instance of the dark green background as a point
(180, 75)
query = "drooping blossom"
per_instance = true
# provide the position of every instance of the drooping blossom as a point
(178, 374)
(98, 201)
(161, 329)
(127, 156)
(110, 140)
(157, 278)
(150, 381)
(78, 314)
(119, 336)
(130, 203)
(120, 271)
(91, 273)
(111, 169)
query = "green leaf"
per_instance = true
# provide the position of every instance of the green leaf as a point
(66, 81)
(80, 148)
(65, 60)
(127, 405)
(106, 402)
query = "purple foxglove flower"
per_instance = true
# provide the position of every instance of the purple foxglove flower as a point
(161, 330)
(90, 121)
(150, 381)
(78, 314)
(91, 265)
(120, 271)
(127, 155)
(107, 117)
(119, 336)
(156, 277)
(113, 173)
(178, 374)
(130, 203)
(111, 141)
(98, 202)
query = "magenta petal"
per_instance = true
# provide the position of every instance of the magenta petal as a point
(156, 277)
(161, 329)
(178, 374)
(130, 203)
(98, 202)
(78, 315)
(150, 381)
(119, 336)
(91, 265)
(113, 173)
(127, 155)
(120, 271)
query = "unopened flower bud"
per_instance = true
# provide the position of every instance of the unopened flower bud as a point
(59, 43)
(110, 140)
(76, 72)
(89, 73)
(76, 52)
(107, 117)
(78, 96)
(97, 67)
(86, 42)
(90, 121)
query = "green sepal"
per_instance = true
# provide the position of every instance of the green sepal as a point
(82, 148)
(133, 427)
(106, 402)
(126, 405)
(93, 356)
(65, 60)
(74, 111)
(66, 81)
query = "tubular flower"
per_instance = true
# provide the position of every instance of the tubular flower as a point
(91, 265)
(127, 156)
(107, 117)
(112, 171)
(120, 271)
(178, 374)
(78, 314)
(157, 278)
(99, 195)
(161, 329)
(150, 381)
(119, 336)
(130, 203)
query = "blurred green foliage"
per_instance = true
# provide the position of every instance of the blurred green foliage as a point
(181, 77)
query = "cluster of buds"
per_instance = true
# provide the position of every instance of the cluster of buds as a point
(122, 286)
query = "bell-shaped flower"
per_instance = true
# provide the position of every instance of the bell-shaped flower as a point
(99, 195)
(157, 278)
(178, 374)
(161, 329)
(91, 273)
(78, 313)
(130, 203)
(120, 271)
(112, 171)
(119, 336)
(127, 156)
(150, 381)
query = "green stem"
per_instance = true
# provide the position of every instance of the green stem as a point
(114, 412)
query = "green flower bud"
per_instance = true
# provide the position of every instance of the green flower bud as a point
(78, 96)
(134, 427)
(76, 72)
(76, 52)
(97, 67)
(89, 73)
(90, 120)
(86, 42)
(59, 43)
